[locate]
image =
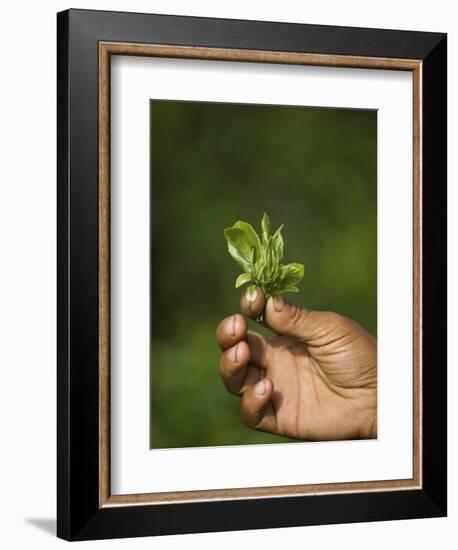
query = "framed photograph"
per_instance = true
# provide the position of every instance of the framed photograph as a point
(251, 274)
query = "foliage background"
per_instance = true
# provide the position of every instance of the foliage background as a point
(315, 170)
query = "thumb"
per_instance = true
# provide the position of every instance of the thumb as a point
(291, 320)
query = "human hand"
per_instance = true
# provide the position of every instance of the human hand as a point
(316, 380)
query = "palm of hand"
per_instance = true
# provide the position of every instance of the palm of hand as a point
(324, 389)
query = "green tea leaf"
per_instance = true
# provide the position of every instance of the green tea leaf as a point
(277, 242)
(261, 271)
(270, 259)
(242, 279)
(291, 274)
(265, 226)
(283, 289)
(260, 258)
(251, 236)
(239, 248)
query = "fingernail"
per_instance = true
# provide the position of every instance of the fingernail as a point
(251, 295)
(233, 354)
(230, 326)
(279, 303)
(260, 388)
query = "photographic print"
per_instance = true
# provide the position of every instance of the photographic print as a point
(251, 271)
(252, 205)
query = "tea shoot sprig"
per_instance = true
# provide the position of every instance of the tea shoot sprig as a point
(260, 259)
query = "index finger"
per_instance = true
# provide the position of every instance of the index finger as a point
(252, 303)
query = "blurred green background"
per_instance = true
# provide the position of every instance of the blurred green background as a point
(315, 170)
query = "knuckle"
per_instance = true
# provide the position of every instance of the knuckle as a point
(296, 317)
(335, 319)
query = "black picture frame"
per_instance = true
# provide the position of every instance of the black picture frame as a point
(80, 516)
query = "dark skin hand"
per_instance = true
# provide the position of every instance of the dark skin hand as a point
(315, 380)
